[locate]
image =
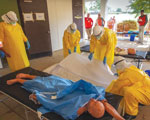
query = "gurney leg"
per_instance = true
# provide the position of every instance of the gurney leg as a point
(26, 113)
(139, 64)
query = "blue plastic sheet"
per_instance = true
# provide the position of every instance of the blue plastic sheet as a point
(141, 53)
(69, 96)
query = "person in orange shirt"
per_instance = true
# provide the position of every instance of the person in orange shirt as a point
(111, 23)
(100, 21)
(88, 25)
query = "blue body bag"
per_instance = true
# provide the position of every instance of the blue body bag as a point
(62, 96)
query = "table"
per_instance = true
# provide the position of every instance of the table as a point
(138, 56)
(132, 34)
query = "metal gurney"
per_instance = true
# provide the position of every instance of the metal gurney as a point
(22, 96)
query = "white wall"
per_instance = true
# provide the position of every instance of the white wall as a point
(60, 16)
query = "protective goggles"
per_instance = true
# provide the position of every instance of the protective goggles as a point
(118, 61)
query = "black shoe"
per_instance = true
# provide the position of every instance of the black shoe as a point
(129, 117)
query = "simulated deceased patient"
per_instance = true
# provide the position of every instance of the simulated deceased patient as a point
(65, 97)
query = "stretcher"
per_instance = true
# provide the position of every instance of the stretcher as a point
(138, 57)
(21, 96)
(85, 48)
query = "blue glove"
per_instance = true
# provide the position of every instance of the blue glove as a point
(116, 74)
(28, 45)
(69, 51)
(105, 60)
(2, 54)
(75, 49)
(90, 56)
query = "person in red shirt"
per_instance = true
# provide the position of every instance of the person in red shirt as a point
(142, 23)
(88, 25)
(100, 21)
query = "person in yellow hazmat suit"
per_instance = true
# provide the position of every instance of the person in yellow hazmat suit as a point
(133, 84)
(102, 45)
(13, 38)
(71, 40)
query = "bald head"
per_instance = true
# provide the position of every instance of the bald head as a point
(96, 108)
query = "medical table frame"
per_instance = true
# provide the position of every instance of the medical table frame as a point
(21, 96)
(135, 57)
(132, 33)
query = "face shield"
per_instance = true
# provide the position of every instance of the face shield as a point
(10, 18)
(98, 36)
(72, 30)
(119, 65)
(98, 32)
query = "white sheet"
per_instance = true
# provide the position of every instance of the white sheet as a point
(76, 67)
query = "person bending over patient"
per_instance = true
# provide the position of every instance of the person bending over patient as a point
(133, 84)
(95, 107)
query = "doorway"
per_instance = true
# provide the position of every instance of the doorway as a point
(60, 16)
(93, 8)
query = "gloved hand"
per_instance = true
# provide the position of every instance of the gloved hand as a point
(2, 54)
(105, 60)
(28, 45)
(116, 74)
(69, 51)
(90, 56)
(75, 49)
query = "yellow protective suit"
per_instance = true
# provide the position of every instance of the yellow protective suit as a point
(13, 39)
(70, 41)
(134, 85)
(104, 47)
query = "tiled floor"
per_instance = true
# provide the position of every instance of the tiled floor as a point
(40, 63)
(11, 110)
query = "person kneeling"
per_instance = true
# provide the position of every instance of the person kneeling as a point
(133, 84)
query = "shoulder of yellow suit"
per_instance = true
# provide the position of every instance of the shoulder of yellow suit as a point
(133, 69)
(93, 37)
(18, 25)
(128, 69)
(106, 28)
(2, 23)
(65, 32)
(77, 31)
